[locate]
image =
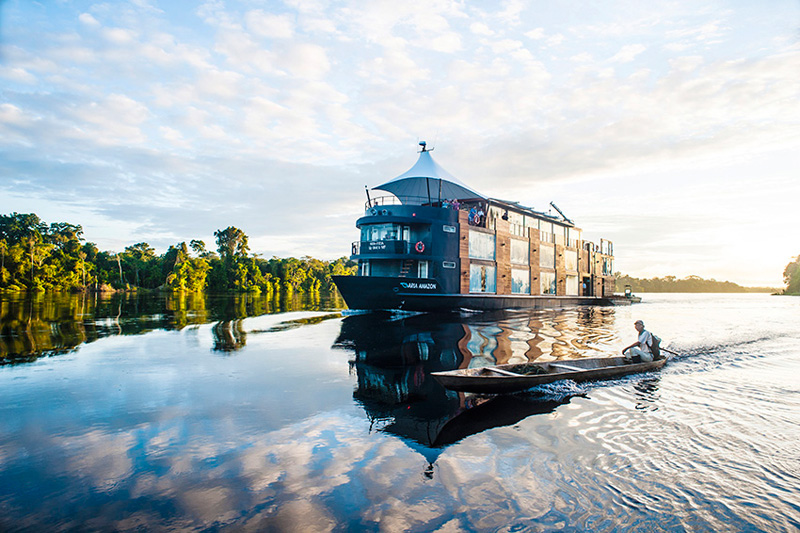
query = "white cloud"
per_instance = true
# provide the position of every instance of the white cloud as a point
(536, 34)
(305, 60)
(447, 43)
(120, 36)
(628, 53)
(269, 25)
(88, 20)
(17, 75)
(480, 28)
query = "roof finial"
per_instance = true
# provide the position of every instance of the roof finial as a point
(423, 144)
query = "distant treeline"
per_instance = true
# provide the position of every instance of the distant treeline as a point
(35, 256)
(688, 284)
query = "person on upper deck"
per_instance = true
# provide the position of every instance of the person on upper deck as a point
(641, 348)
(473, 216)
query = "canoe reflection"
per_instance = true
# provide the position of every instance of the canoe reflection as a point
(393, 357)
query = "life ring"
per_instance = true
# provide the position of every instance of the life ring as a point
(419, 247)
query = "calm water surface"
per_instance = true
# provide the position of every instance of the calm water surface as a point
(240, 413)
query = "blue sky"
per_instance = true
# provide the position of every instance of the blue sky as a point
(670, 128)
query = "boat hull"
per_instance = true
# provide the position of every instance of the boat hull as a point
(411, 294)
(486, 381)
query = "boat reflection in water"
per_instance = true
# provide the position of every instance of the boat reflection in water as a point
(393, 356)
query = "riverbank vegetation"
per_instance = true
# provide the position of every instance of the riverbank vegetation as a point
(688, 284)
(36, 256)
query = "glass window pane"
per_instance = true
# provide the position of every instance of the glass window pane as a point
(572, 285)
(519, 252)
(548, 282)
(482, 278)
(571, 260)
(547, 256)
(520, 281)
(481, 245)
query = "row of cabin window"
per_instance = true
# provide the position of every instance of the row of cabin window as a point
(482, 246)
(483, 279)
(392, 232)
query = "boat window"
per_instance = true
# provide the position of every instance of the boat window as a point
(481, 245)
(516, 223)
(608, 266)
(422, 269)
(482, 278)
(560, 234)
(572, 285)
(384, 232)
(363, 268)
(547, 256)
(548, 282)
(449, 229)
(520, 281)
(448, 264)
(519, 252)
(571, 260)
(573, 237)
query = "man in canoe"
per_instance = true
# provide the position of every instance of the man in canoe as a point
(640, 350)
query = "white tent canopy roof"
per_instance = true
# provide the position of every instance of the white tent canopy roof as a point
(427, 180)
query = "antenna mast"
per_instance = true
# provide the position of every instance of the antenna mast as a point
(561, 213)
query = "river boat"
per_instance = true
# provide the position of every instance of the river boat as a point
(511, 378)
(630, 296)
(435, 244)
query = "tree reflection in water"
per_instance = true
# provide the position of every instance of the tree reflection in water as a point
(42, 325)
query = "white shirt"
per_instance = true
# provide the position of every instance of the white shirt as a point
(645, 339)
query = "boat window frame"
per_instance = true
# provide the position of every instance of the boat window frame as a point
(476, 247)
(488, 283)
(516, 243)
(523, 274)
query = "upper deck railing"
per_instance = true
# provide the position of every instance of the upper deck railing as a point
(380, 201)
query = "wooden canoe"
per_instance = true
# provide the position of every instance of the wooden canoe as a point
(504, 379)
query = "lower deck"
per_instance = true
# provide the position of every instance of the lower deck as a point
(428, 295)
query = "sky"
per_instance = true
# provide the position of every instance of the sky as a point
(669, 128)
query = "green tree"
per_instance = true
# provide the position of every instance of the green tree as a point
(791, 277)
(231, 242)
(137, 258)
(232, 247)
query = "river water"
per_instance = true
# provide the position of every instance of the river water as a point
(239, 413)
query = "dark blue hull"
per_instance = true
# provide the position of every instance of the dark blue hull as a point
(415, 294)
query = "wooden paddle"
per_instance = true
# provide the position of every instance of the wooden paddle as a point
(503, 372)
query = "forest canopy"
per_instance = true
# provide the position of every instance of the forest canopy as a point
(36, 256)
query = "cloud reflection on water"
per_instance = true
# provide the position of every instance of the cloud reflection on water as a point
(159, 431)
